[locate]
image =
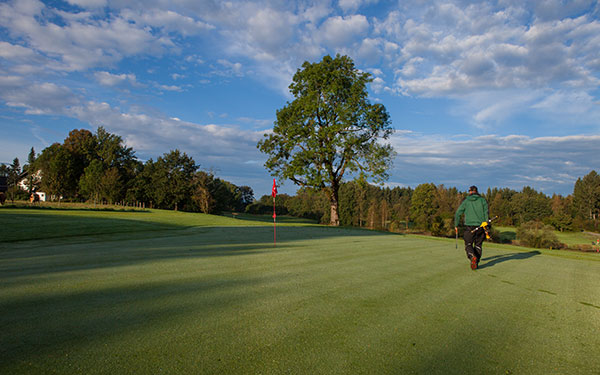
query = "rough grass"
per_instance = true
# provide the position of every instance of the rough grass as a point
(188, 293)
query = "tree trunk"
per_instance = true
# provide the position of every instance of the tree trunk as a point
(333, 198)
(335, 219)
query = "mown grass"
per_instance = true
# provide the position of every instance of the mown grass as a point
(571, 239)
(189, 293)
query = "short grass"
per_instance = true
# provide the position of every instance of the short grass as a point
(571, 239)
(173, 293)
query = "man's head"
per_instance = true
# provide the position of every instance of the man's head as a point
(473, 190)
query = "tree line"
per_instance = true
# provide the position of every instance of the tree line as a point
(98, 167)
(430, 208)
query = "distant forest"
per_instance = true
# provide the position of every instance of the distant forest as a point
(430, 208)
(99, 168)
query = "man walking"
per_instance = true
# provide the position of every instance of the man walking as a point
(475, 209)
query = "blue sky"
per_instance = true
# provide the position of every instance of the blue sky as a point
(500, 93)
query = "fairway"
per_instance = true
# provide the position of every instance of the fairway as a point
(158, 292)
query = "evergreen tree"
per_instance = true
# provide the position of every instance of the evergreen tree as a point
(586, 198)
(423, 205)
(14, 176)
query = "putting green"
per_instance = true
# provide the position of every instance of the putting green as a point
(163, 292)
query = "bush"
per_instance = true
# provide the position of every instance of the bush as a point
(501, 237)
(538, 235)
(442, 226)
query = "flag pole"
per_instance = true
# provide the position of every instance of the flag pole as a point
(274, 193)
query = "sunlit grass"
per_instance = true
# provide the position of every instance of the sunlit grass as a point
(187, 293)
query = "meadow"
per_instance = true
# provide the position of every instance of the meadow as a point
(162, 292)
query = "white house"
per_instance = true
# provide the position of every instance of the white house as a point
(24, 184)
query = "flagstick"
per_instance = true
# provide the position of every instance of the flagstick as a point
(274, 225)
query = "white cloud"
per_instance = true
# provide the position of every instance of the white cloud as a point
(9, 82)
(170, 88)
(314, 13)
(570, 106)
(40, 98)
(466, 49)
(231, 68)
(167, 20)
(109, 79)
(271, 30)
(341, 31)
(15, 52)
(370, 50)
(81, 42)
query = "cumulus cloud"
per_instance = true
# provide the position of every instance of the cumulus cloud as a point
(78, 43)
(36, 98)
(15, 52)
(340, 31)
(109, 79)
(270, 29)
(465, 49)
(167, 20)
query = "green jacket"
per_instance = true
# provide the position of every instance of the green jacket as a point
(475, 208)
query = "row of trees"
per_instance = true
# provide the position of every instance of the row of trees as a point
(431, 207)
(99, 168)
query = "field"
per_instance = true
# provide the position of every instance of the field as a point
(157, 292)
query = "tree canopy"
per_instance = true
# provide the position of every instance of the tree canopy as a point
(100, 168)
(328, 130)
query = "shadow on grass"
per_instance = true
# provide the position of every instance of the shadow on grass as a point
(52, 324)
(41, 324)
(493, 260)
(268, 219)
(82, 243)
(38, 226)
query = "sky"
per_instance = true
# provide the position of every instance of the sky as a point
(489, 93)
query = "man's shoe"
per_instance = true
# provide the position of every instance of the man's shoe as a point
(474, 263)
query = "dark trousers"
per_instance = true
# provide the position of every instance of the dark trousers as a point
(473, 242)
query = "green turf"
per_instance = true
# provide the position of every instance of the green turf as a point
(179, 293)
(571, 239)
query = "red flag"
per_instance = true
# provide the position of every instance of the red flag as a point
(274, 190)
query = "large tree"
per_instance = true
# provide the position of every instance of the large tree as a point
(329, 129)
(424, 205)
(586, 197)
(171, 179)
